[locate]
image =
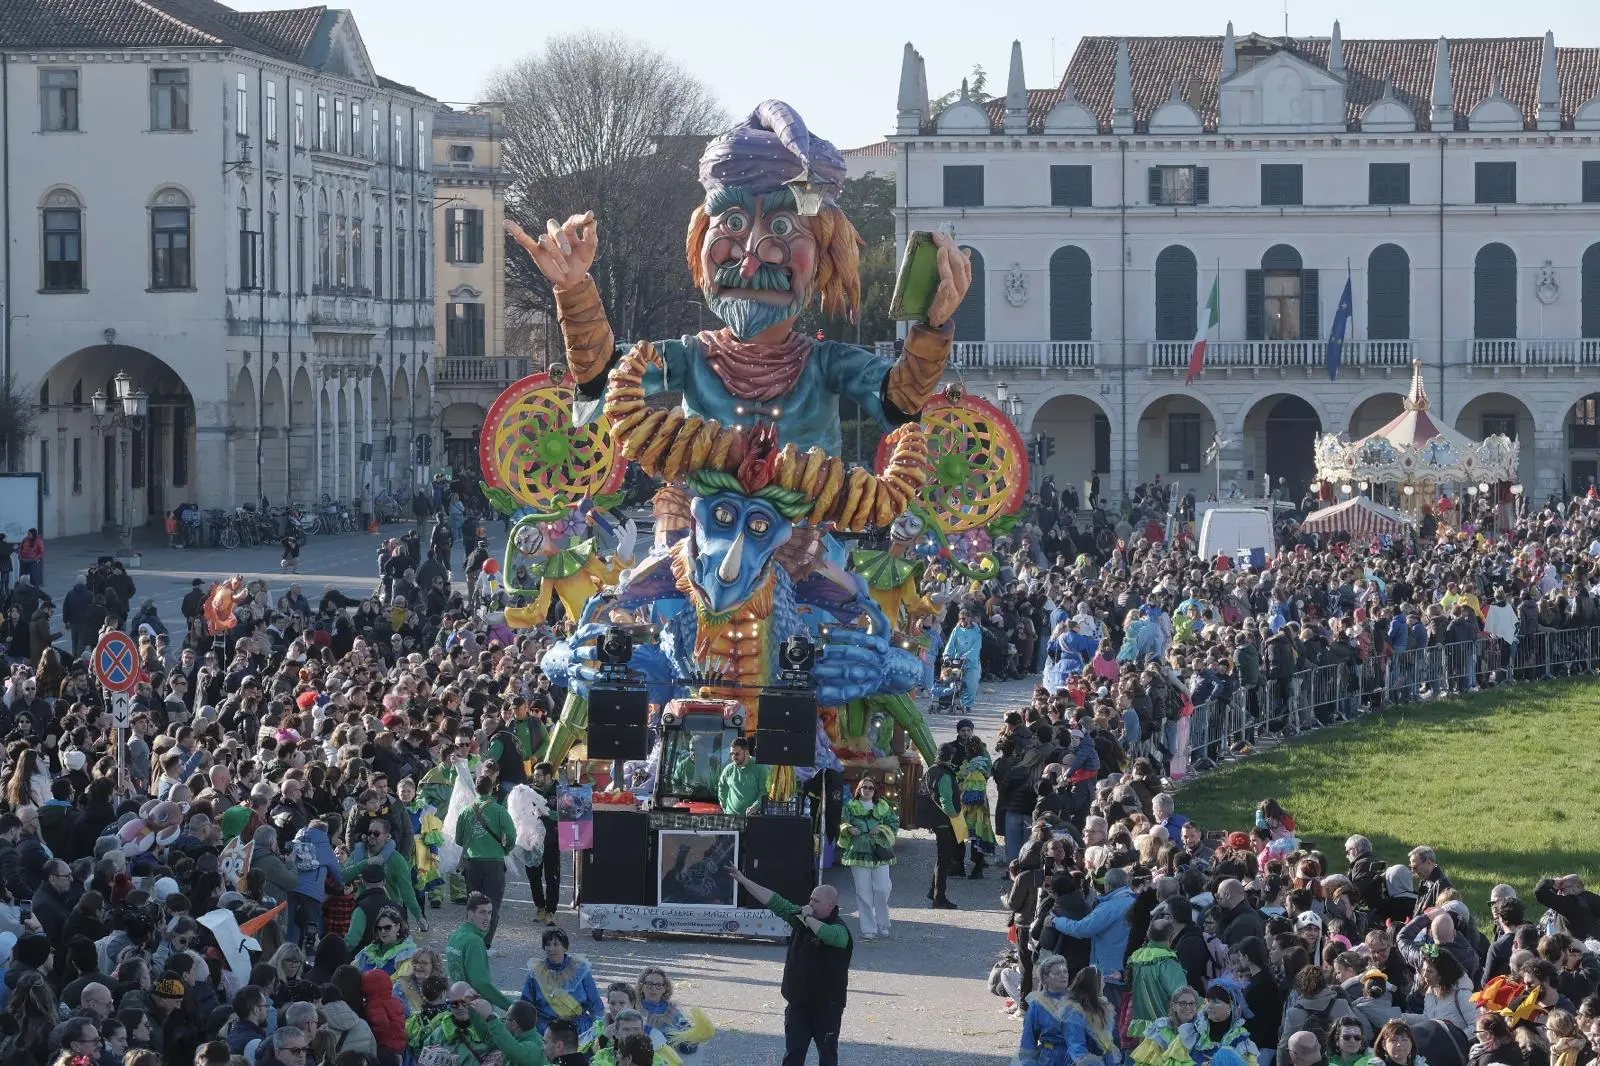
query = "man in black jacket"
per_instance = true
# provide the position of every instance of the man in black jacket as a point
(1366, 871)
(1579, 908)
(1190, 943)
(816, 973)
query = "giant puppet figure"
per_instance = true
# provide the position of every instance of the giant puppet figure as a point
(768, 240)
(742, 559)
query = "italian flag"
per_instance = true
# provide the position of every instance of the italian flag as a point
(1210, 318)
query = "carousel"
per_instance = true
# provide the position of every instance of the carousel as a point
(1416, 461)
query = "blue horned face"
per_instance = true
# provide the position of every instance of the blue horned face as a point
(734, 538)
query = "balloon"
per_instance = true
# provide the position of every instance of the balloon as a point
(491, 566)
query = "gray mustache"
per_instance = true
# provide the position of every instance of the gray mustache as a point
(766, 278)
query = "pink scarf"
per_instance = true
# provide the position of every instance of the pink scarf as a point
(759, 372)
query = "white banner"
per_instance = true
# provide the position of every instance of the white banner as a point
(706, 921)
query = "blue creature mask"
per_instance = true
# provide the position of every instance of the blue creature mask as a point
(734, 538)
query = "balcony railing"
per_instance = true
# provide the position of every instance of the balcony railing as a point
(1016, 355)
(1274, 355)
(1515, 352)
(500, 370)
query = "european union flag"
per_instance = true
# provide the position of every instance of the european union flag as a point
(1341, 325)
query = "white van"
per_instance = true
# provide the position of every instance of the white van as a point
(1231, 530)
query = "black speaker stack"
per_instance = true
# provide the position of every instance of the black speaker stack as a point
(786, 727)
(618, 722)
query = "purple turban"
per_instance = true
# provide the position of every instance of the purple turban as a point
(766, 151)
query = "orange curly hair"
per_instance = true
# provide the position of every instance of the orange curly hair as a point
(838, 260)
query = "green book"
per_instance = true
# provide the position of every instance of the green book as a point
(918, 279)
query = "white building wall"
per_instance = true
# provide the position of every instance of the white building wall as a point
(224, 345)
(1018, 230)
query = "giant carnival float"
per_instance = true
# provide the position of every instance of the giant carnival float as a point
(779, 597)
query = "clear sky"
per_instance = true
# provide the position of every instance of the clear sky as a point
(839, 64)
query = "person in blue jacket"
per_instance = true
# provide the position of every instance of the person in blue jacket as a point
(1106, 928)
(966, 642)
(313, 861)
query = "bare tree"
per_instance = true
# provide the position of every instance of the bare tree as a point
(600, 122)
(16, 424)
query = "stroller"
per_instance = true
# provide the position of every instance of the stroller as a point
(949, 688)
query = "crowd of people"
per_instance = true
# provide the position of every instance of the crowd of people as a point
(1139, 934)
(317, 783)
(327, 775)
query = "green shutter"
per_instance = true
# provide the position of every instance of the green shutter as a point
(1153, 185)
(1494, 293)
(1388, 294)
(1310, 306)
(970, 315)
(1177, 278)
(1202, 185)
(1591, 291)
(1071, 186)
(1071, 296)
(1254, 306)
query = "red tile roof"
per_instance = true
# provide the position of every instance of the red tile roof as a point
(94, 24)
(1476, 65)
(290, 32)
(156, 23)
(882, 148)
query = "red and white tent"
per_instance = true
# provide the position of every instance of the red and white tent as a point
(1359, 517)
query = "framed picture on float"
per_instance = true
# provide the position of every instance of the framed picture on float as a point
(692, 868)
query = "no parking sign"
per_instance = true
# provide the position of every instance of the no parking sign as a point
(116, 662)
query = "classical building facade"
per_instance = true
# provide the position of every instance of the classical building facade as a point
(470, 304)
(1454, 184)
(234, 209)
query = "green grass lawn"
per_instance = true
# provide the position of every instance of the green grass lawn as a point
(1503, 785)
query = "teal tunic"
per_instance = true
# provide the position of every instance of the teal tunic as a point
(809, 413)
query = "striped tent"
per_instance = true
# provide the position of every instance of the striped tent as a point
(1359, 517)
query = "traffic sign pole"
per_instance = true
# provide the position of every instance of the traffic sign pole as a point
(116, 666)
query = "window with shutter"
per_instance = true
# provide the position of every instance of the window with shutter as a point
(1388, 183)
(963, 186)
(1494, 293)
(1178, 186)
(1070, 295)
(970, 315)
(1495, 183)
(1388, 293)
(1590, 283)
(1183, 442)
(1071, 186)
(1281, 185)
(1177, 280)
(1282, 315)
(1591, 182)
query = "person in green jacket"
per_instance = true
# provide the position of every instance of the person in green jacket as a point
(486, 834)
(517, 1037)
(867, 838)
(466, 958)
(742, 786)
(1154, 975)
(460, 1029)
(528, 730)
(378, 848)
(939, 808)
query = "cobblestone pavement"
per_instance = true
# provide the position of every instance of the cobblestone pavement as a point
(919, 998)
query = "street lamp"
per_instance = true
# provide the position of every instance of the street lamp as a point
(124, 409)
(1001, 391)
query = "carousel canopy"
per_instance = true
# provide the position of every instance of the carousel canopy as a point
(1416, 448)
(1359, 517)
